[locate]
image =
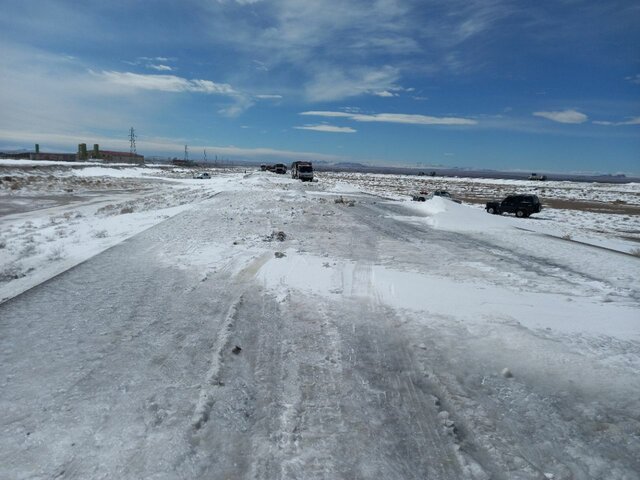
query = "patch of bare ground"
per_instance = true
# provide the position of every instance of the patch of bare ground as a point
(582, 205)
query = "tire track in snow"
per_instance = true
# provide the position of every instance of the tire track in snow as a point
(206, 397)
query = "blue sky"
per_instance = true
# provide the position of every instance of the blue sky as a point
(534, 86)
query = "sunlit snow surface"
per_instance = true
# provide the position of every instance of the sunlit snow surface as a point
(379, 326)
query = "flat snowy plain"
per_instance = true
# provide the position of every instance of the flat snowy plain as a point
(378, 337)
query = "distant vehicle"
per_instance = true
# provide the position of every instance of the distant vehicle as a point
(263, 168)
(202, 175)
(535, 176)
(444, 194)
(421, 196)
(424, 195)
(521, 205)
(302, 171)
(270, 168)
(280, 168)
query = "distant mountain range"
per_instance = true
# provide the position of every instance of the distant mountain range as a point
(439, 171)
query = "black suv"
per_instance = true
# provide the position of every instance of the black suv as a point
(521, 205)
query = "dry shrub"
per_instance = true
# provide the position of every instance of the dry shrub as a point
(11, 272)
(107, 210)
(56, 253)
(29, 249)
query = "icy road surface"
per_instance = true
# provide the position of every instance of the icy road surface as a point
(375, 345)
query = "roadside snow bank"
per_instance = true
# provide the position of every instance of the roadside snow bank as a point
(447, 299)
(444, 214)
(36, 250)
(116, 172)
(80, 220)
(583, 227)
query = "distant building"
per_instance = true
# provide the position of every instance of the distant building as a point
(15, 155)
(108, 156)
(58, 157)
(111, 156)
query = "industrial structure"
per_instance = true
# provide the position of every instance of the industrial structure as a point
(107, 156)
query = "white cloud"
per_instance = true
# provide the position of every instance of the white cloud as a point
(241, 104)
(207, 86)
(332, 83)
(132, 82)
(160, 67)
(631, 121)
(633, 79)
(563, 116)
(155, 59)
(268, 97)
(414, 119)
(315, 113)
(396, 118)
(165, 83)
(327, 128)
(385, 93)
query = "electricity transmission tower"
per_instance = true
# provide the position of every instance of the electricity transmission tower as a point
(205, 155)
(132, 141)
(186, 153)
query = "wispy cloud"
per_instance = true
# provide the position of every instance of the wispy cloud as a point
(129, 82)
(160, 67)
(153, 63)
(563, 116)
(165, 83)
(327, 128)
(268, 97)
(631, 121)
(633, 79)
(385, 94)
(334, 83)
(395, 118)
(155, 59)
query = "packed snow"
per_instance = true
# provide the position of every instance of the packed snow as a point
(252, 326)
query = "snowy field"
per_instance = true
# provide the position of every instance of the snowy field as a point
(251, 326)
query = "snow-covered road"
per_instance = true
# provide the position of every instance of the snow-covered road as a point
(374, 345)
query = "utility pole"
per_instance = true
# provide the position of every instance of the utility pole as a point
(186, 153)
(205, 155)
(132, 142)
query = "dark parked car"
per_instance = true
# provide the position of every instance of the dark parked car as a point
(521, 205)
